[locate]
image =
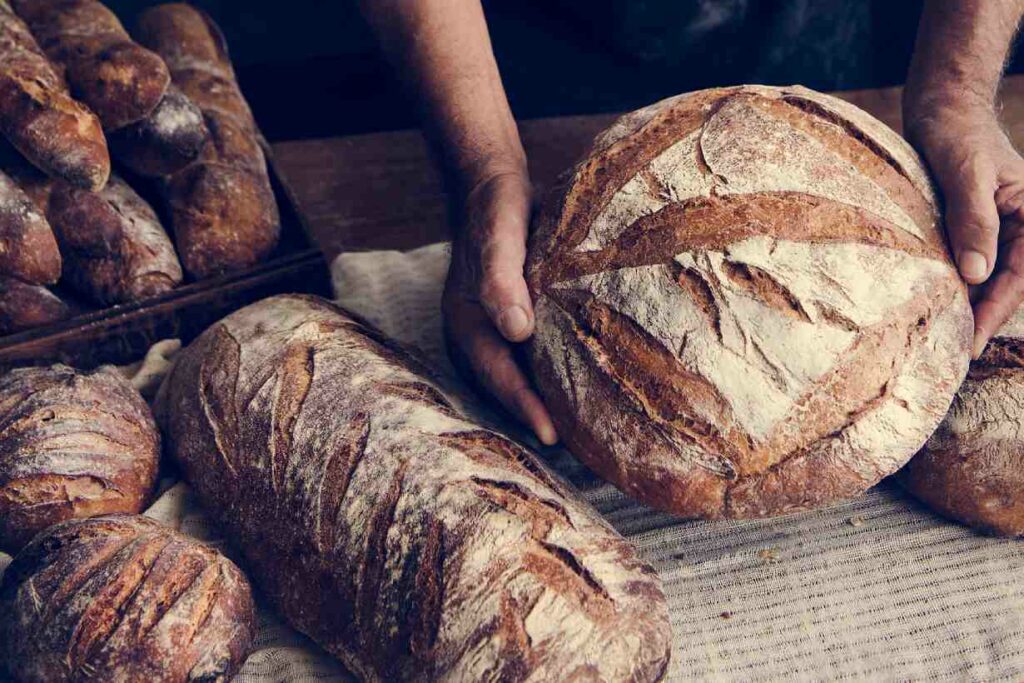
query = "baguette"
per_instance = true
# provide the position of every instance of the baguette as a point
(121, 81)
(38, 116)
(408, 541)
(72, 444)
(123, 599)
(164, 142)
(115, 250)
(23, 306)
(28, 249)
(222, 207)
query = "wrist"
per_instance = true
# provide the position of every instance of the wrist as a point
(932, 109)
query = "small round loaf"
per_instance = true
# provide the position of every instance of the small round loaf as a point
(972, 468)
(72, 445)
(744, 302)
(122, 598)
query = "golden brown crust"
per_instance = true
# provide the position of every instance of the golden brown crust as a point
(115, 250)
(164, 142)
(28, 248)
(122, 598)
(72, 445)
(405, 539)
(38, 116)
(223, 210)
(120, 81)
(704, 247)
(24, 306)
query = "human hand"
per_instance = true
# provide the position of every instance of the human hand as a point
(486, 304)
(981, 176)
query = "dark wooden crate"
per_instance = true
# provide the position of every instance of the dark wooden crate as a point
(122, 334)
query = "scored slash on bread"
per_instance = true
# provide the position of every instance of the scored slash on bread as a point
(405, 539)
(123, 599)
(745, 305)
(119, 80)
(223, 212)
(39, 117)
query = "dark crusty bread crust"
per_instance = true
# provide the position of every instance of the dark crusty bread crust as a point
(405, 539)
(164, 142)
(115, 250)
(28, 249)
(120, 81)
(123, 599)
(223, 210)
(24, 306)
(38, 116)
(72, 444)
(745, 306)
(972, 468)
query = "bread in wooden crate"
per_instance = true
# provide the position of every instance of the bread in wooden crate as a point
(28, 248)
(123, 599)
(744, 303)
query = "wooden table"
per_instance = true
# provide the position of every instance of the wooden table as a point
(380, 191)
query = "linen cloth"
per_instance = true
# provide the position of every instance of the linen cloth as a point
(876, 588)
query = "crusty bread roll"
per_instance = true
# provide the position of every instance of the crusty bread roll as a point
(24, 306)
(123, 599)
(115, 250)
(28, 248)
(405, 539)
(972, 467)
(164, 142)
(120, 81)
(744, 303)
(38, 116)
(72, 444)
(223, 212)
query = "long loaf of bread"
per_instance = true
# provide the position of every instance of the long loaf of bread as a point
(121, 81)
(23, 306)
(115, 250)
(222, 206)
(404, 538)
(28, 249)
(38, 116)
(166, 141)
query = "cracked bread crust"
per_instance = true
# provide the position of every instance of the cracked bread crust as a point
(972, 468)
(745, 306)
(123, 599)
(408, 541)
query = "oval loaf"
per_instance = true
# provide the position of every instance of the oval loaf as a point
(72, 444)
(402, 537)
(972, 467)
(744, 303)
(123, 599)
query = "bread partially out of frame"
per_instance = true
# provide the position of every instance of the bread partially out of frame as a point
(123, 599)
(72, 444)
(404, 538)
(744, 303)
(972, 467)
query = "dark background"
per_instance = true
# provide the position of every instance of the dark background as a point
(310, 69)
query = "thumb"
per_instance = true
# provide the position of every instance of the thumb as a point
(972, 220)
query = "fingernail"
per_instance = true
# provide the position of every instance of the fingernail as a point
(973, 265)
(546, 434)
(980, 342)
(513, 322)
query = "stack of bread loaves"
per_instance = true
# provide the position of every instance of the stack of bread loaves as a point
(97, 592)
(72, 79)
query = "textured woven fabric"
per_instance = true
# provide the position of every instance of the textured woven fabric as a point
(873, 589)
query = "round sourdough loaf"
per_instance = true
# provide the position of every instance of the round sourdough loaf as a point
(972, 468)
(123, 599)
(745, 305)
(72, 444)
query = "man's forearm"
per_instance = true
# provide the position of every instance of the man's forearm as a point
(960, 54)
(442, 51)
